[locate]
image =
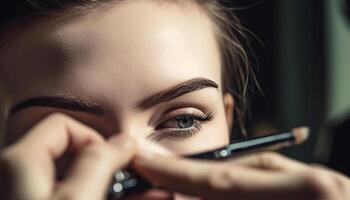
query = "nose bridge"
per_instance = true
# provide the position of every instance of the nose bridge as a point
(125, 116)
(132, 123)
(136, 126)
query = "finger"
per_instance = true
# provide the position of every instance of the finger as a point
(213, 180)
(31, 160)
(268, 161)
(173, 173)
(338, 176)
(91, 172)
(56, 132)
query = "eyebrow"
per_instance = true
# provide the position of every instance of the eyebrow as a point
(83, 105)
(177, 91)
(65, 102)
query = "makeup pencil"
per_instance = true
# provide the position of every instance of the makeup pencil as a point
(128, 182)
(266, 142)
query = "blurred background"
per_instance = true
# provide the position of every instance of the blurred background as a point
(305, 74)
(303, 70)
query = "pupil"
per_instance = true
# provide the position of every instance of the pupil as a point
(185, 122)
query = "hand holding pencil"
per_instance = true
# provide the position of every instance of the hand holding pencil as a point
(130, 183)
(263, 175)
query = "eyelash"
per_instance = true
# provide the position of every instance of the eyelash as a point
(198, 120)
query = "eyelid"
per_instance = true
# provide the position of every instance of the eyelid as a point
(177, 134)
(179, 112)
(166, 108)
(200, 119)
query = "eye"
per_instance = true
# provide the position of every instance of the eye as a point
(182, 121)
(185, 121)
(181, 126)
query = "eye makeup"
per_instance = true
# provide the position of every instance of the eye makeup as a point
(180, 125)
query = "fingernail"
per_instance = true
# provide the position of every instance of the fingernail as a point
(123, 141)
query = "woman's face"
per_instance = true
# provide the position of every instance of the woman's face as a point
(146, 69)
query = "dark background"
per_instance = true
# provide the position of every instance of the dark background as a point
(293, 69)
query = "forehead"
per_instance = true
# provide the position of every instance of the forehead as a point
(136, 46)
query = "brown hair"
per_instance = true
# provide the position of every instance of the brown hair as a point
(237, 74)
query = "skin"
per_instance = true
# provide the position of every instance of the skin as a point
(103, 57)
(102, 65)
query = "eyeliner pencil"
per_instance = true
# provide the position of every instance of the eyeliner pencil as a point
(127, 183)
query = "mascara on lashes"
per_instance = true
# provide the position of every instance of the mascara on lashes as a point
(197, 121)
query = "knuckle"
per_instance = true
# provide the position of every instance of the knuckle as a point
(320, 183)
(57, 117)
(317, 180)
(332, 180)
(224, 179)
(268, 159)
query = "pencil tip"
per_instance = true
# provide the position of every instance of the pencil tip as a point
(301, 134)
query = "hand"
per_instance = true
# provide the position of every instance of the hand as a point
(259, 176)
(27, 168)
